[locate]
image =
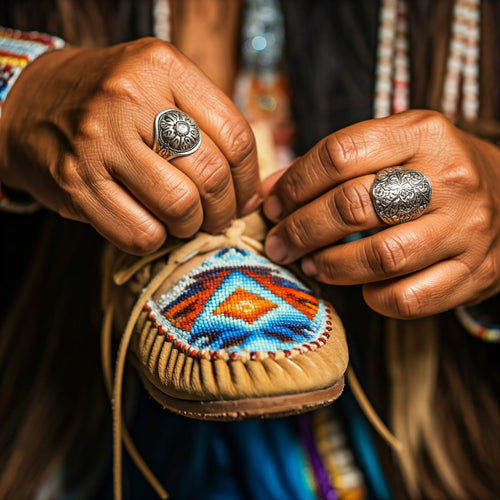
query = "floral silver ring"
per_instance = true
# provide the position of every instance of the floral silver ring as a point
(400, 195)
(176, 134)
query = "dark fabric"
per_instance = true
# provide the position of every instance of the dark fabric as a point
(330, 58)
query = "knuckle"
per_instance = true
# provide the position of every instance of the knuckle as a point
(482, 222)
(488, 274)
(182, 203)
(298, 232)
(158, 53)
(241, 141)
(407, 303)
(353, 203)
(340, 151)
(145, 238)
(215, 176)
(120, 85)
(67, 175)
(463, 175)
(92, 127)
(431, 122)
(290, 188)
(387, 256)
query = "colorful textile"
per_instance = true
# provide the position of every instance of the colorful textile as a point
(17, 50)
(478, 326)
(238, 303)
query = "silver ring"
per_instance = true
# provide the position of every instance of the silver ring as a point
(400, 195)
(176, 134)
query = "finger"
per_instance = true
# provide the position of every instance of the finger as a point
(219, 118)
(162, 188)
(185, 192)
(344, 210)
(118, 217)
(209, 170)
(439, 288)
(269, 182)
(394, 252)
(363, 148)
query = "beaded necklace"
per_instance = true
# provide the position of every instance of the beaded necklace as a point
(460, 95)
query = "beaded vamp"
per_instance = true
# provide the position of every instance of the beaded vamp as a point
(240, 305)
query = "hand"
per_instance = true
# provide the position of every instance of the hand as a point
(447, 257)
(77, 130)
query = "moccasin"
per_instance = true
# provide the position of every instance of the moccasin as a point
(217, 331)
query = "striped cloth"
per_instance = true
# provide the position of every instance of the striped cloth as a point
(17, 50)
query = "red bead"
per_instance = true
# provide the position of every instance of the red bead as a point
(253, 356)
(287, 353)
(170, 337)
(271, 354)
(162, 331)
(234, 356)
(177, 343)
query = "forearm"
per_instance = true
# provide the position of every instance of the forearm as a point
(208, 33)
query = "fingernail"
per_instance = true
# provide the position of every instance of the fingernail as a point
(309, 267)
(251, 204)
(273, 208)
(275, 249)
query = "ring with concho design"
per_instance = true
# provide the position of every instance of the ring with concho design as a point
(400, 195)
(176, 134)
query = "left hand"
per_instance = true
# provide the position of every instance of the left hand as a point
(447, 257)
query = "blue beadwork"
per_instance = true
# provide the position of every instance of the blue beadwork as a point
(239, 301)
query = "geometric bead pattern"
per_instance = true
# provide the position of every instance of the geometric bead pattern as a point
(239, 303)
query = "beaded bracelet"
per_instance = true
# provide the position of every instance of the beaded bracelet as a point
(487, 332)
(17, 50)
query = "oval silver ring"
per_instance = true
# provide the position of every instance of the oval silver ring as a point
(400, 195)
(175, 134)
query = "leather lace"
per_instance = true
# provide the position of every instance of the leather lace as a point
(117, 271)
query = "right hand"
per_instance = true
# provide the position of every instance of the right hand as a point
(77, 130)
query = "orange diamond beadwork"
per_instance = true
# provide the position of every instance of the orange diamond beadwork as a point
(245, 305)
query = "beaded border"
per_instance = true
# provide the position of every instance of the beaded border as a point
(488, 333)
(227, 355)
